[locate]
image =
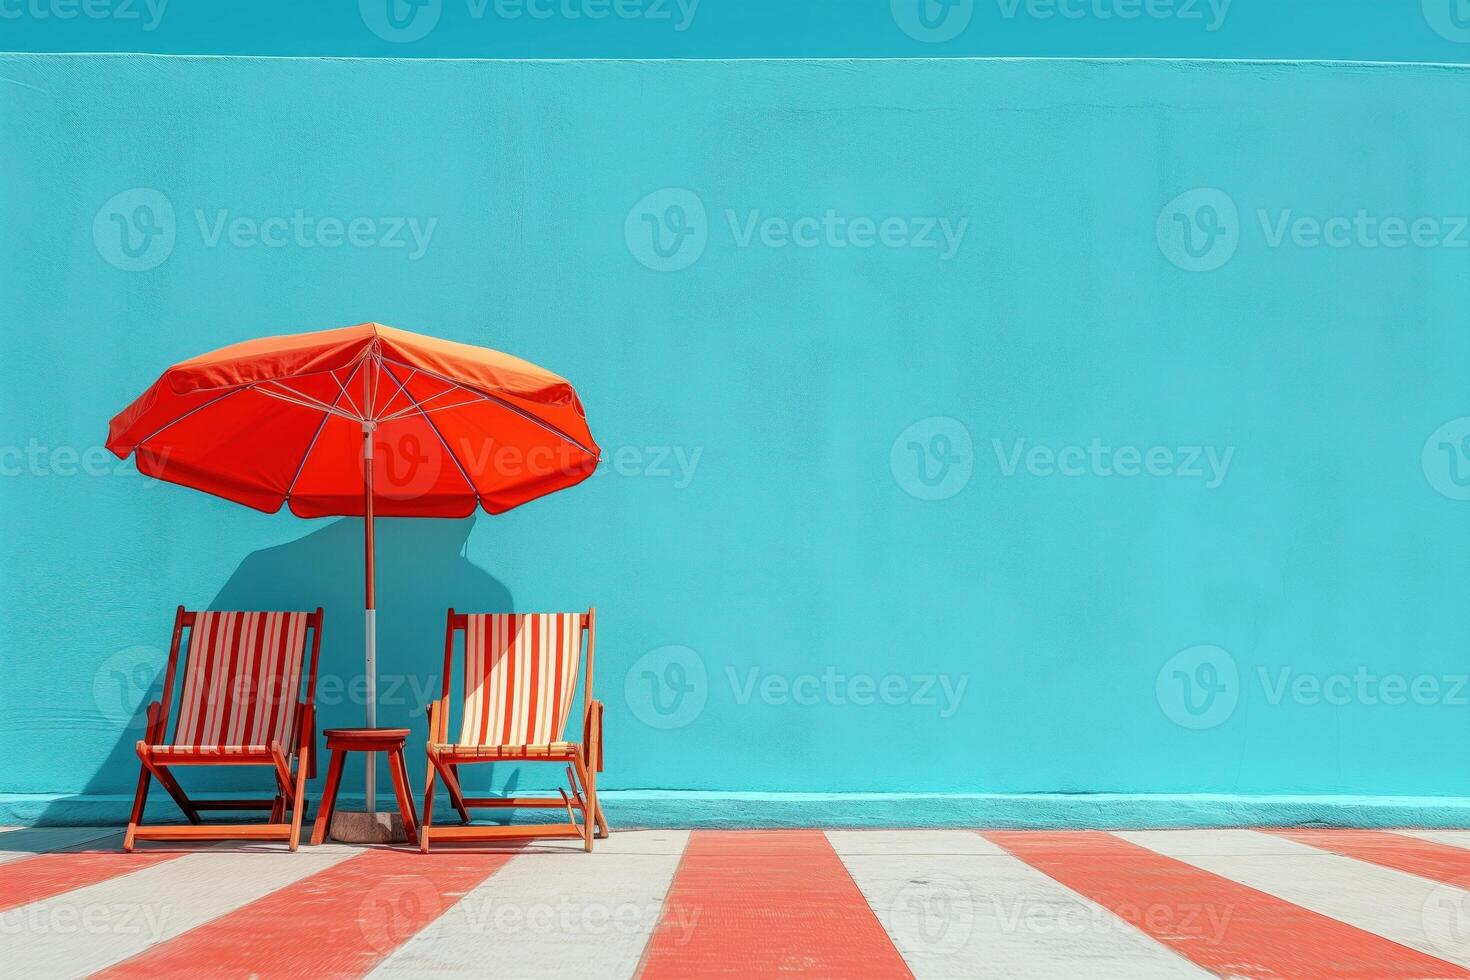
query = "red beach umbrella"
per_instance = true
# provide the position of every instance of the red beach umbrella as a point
(359, 422)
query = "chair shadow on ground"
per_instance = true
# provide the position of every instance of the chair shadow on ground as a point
(422, 570)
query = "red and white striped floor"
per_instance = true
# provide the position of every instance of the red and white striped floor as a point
(666, 903)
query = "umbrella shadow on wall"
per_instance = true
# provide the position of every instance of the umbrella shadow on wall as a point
(422, 571)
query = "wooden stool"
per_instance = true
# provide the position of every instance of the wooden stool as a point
(340, 741)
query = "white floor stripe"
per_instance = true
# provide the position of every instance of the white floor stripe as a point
(557, 912)
(82, 931)
(957, 905)
(1408, 909)
(27, 841)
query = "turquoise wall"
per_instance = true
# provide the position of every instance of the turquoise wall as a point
(970, 426)
(1366, 30)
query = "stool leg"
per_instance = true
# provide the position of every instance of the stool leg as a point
(329, 798)
(400, 787)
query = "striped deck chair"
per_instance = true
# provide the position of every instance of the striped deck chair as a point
(240, 704)
(520, 679)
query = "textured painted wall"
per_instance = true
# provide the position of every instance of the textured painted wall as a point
(1364, 30)
(970, 426)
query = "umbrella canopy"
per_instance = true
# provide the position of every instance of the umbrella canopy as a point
(280, 421)
(360, 421)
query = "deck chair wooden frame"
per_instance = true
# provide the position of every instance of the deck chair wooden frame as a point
(583, 759)
(159, 754)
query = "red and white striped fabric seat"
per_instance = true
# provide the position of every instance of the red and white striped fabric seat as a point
(520, 679)
(242, 680)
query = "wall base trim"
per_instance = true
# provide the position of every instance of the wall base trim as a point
(668, 808)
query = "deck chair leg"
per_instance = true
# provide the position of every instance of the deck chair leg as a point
(329, 798)
(602, 828)
(399, 769)
(449, 773)
(140, 800)
(298, 804)
(456, 795)
(427, 818)
(278, 805)
(589, 820)
(168, 782)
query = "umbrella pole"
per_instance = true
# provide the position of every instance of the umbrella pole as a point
(370, 623)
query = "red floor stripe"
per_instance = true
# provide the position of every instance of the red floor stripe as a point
(33, 879)
(755, 903)
(1427, 859)
(1222, 925)
(339, 922)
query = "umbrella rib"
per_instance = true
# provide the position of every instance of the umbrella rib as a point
(501, 402)
(179, 418)
(442, 441)
(402, 390)
(342, 387)
(305, 401)
(403, 412)
(416, 403)
(301, 466)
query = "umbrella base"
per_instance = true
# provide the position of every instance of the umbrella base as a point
(356, 827)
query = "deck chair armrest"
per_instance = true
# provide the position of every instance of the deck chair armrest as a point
(438, 724)
(306, 727)
(592, 734)
(152, 732)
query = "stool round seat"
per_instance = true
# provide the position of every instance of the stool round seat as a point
(366, 739)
